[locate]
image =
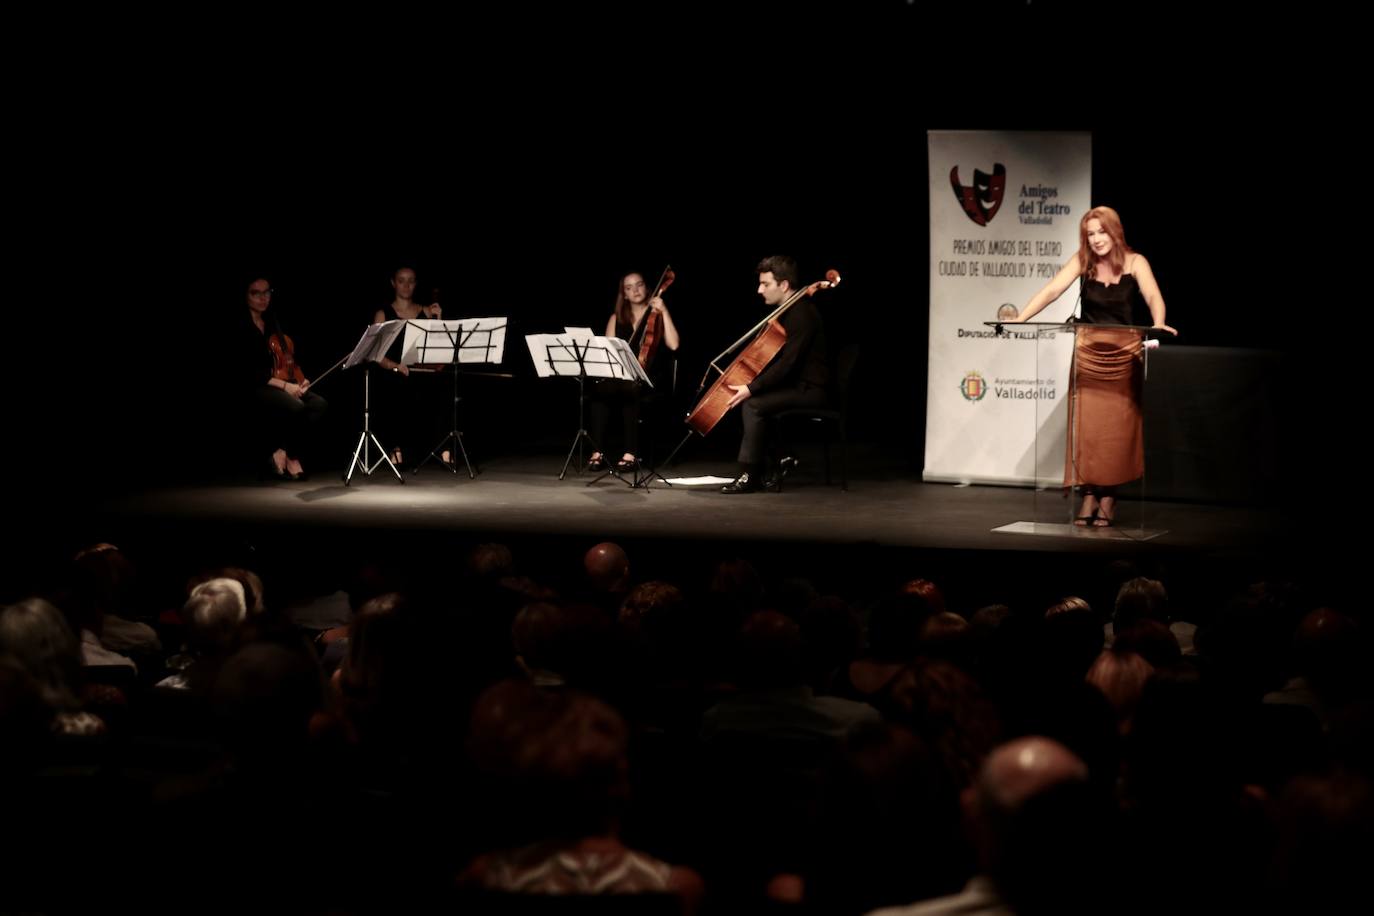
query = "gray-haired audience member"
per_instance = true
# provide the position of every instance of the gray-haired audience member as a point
(212, 616)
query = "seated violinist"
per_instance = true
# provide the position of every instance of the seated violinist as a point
(644, 322)
(796, 377)
(276, 388)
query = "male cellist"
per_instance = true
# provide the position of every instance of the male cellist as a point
(796, 377)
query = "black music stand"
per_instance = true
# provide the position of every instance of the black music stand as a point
(450, 343)
(579, 356)
(629, 364)
(645, 474)
(371, 347)
(580, 352)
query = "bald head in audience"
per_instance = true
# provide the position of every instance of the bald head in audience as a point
(607, 567)
(1022, 769)
(1041, 829)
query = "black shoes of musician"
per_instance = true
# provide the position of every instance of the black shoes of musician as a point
(785, 466)
(744, 483)
(625, 466)
(294, 470)
(270, 471)
(596, 465)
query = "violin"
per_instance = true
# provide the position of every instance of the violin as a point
(713, 406)
(284, 365)
(653, 323)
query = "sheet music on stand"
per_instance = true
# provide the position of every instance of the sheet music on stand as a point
(370, 349)
(579, 355)
(374, 343)
(432, 345)
(630, 361)
(432, 341)
(570, 353)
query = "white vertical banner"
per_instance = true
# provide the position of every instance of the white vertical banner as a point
(1004, 212)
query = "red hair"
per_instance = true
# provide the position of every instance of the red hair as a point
(1111, 224)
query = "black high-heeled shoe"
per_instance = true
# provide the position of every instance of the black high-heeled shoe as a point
(596, 465)
(1086, 521)
(786, 466)
(1104, 519)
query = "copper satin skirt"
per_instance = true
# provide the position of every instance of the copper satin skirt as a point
(1106, 441)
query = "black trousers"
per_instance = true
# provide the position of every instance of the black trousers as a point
(287, 422)
(758, 412)
(624, 398)
(411, 412)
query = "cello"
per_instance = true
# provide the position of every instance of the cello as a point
(771, 336)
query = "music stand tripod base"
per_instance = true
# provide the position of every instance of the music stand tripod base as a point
(455, 435)
(360, 459)
(437, 454)
(366, 436)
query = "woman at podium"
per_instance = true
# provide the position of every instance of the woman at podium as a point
(1106, 444)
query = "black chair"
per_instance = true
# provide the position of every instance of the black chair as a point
(832, 419)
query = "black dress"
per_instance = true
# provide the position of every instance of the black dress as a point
(625, 397)
(410, 413)
(279, 419)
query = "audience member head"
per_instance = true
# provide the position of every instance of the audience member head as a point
(557, 758)
(560, 643)
(1040, 827)
(928, 591)
(212, 615)
(36, 635)
(894, 627)
(1140, 599)
(607, 568)
(768, 651)
(1121, 677)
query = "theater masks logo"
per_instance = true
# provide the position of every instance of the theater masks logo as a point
(983, 198)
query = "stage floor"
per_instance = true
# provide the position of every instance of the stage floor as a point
(522, 496)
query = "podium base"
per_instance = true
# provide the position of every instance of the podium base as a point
(1063, 530)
